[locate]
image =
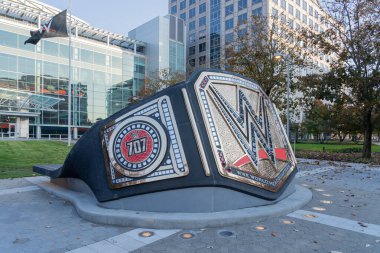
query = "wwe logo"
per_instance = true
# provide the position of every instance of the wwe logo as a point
(250, 128)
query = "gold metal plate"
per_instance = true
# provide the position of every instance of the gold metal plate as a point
(247, 138)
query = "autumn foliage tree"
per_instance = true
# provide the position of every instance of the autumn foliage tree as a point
(160, 80)
(252, 52)
(353, 41)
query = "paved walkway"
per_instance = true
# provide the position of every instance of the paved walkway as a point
(344, 216)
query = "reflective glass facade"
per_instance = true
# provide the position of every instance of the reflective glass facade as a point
(215, 34)
(177, 56)
(165, 37)
(104, 77)
(206, 41)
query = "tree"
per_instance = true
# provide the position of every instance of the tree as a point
(160, 80)
(345, 120)
(345, 117)
(318, 119)
(252, 53)
(353, 41)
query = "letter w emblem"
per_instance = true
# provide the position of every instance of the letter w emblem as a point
(251, 128)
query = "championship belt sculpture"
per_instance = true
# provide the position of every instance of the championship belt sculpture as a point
(215, 130)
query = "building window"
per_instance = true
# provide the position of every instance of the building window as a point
(192, 13)
(192, 25)
(202, 21)
(242, 4)
(191, 50)
(202, 47)
(229, 38)
(202, 60)
(290, 9)
(290, 23)
(202, 8)
(183, 16)
(257, 12)
(182, 5)
(229, 24)
(274, 12)
(108, 60)
(192, 62)
(304, 5)
(242, 32)
(242, 19)
(173, 10)
(304, 19)
(257, 1)
(139, 69)
(316, 14)
(191, 2)
(311, 24)
(283, 18)
(202, 34)
(298, 2)
(275, 1)
(311, 10)
(316, 27)
(192, 38)
(298, 14)
(176, 56)
(229, 9)
(283, 4)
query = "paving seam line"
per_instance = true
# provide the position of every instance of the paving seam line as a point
(19, 190)
(126, 242)
(337, 222)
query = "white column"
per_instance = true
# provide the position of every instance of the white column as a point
(38, 132)
(75, 133)
(17, 127)
(24, 127)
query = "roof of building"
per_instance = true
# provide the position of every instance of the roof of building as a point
(31, 11)
(20, 100)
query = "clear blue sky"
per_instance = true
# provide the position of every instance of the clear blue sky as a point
(118, 16)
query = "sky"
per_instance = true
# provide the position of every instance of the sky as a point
(118, 16)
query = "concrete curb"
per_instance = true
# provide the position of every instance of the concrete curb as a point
(88, 209)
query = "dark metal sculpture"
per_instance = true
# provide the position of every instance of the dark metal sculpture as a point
(216, 129)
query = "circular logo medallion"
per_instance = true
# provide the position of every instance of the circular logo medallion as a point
(139, 145)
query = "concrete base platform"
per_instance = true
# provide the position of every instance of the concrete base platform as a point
(89, 208)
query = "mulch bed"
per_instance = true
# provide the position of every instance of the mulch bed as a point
(341, 157)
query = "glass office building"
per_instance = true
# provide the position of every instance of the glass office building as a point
(211, 25)
(166, 43)
(108, 70)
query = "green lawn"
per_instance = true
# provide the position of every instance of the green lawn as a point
(18, 157)
(334, 147)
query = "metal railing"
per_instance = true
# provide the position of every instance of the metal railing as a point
(6, 135)
(54, 136)
(60, 137)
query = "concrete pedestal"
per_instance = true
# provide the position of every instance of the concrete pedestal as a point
(79, 194)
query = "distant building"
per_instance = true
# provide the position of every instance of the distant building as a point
(165, 36)
(211, 23)
(107, 71)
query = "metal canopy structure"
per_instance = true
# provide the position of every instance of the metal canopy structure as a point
(34, 13)
(20, 100)
(19, 114)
